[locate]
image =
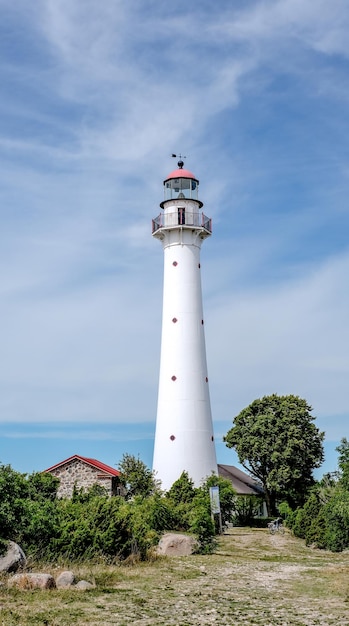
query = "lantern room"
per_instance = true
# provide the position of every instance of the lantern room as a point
(181, 184)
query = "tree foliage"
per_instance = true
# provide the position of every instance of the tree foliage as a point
(136, 478)
(323, 521)
(277, 442)
(182, 490)
(92, 525)
(343, 462)
(245, 510)
(227, 495)
(18, 492)
(181, 496)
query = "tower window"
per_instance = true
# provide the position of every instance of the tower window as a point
(181, 216)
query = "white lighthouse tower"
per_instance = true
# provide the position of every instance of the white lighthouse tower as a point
(184, 434)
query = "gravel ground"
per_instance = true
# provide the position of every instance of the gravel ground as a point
(254, 578)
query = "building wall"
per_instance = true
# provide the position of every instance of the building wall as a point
(79, 474)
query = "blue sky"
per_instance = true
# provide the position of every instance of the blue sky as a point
(94, 99)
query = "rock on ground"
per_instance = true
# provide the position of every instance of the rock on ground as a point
(173, 544)
(32, 581)
(13, 559)
(65, 580)
(83, 585)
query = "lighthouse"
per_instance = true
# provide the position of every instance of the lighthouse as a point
(184, 439)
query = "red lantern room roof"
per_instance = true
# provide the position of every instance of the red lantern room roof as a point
(181, 173)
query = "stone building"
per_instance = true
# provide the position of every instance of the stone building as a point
(81, 472)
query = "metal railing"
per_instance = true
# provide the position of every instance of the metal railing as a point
(182, 219)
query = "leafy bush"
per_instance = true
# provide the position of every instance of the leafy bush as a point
(93, 526)
(324, 519)
(201, 523)
(13, 490)
(300, 523)
(336, 514)
(136, 478)
(180, 498)
(227, 495)
(245, 509)
(23, 498)
(41, 525)
(182, 490)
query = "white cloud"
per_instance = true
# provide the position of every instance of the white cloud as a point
(96, 99)
(288, 338)
(319, 25)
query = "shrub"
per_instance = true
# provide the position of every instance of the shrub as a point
(336, 514)
(301, 521)
(227, 495)
(41, 525)
(324, 524)
(182, 490)
(13, 491)
(136, 478)
(201, 524)
(180, 497)
(245, 509)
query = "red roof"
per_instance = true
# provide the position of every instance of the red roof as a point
(93, 462)
(180, 173)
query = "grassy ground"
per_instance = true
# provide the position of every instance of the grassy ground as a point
(253, 579)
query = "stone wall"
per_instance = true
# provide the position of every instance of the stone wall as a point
(80, 474)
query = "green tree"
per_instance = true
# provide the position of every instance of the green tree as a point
(181, 496)
(245, 510)
(136, 478)
(227, 495)
(201, 523)
(343, 462)
(13, 490)
(27, 507)
(42, 486)
(278, 443)
(182, 490)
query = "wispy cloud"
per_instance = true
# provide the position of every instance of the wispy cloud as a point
(288, 338)
(96, 98)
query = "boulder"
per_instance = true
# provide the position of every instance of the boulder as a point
(65, 580)
(83, 585)
(13, 559)
(32, 581)
(173, 544)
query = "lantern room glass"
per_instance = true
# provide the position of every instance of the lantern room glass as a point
(181, 188)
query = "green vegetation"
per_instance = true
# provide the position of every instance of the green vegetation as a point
(136, 478)
(92, 526)
(323, 521)
(251, 578)
(25, 502)
(278, 443)
(245, 511)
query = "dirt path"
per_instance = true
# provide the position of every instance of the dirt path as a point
(253, 579)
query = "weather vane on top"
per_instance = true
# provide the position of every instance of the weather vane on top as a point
(180, 162)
